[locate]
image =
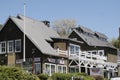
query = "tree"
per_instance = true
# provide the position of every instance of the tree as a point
(64, 26)
(116, 42)
(1, 26)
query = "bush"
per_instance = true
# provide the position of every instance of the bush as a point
(14, 73)
(61, 76)
(43, 76)
(98, 77)
(68, 76)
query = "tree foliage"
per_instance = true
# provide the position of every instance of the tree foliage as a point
(63, 27)
(116, 42)
(1, 26)
(14, 73)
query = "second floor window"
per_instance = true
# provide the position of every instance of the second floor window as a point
(18, 45)
(74, 49)
(10, 46)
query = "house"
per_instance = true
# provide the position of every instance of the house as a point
(96, 44)
(41, 57)
(47, 52)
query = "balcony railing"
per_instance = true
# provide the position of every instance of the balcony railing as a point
(62, 52)
(90, 55)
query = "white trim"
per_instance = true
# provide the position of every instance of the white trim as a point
(10, 46)
(2, 46)
(62, 71)
(50, 64)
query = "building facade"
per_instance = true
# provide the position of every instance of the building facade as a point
(46, 52)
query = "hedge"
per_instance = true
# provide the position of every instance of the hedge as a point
(14, 73)
(68, 76)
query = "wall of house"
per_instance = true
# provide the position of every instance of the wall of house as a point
(60, 45)
(112, 58)
(109, 52)
(10, 32)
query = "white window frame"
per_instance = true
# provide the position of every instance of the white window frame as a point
(62, 68)
(50, 73)
(74, 53)
(9, 46)
(39, 69)
(1, 47)
(17, 45)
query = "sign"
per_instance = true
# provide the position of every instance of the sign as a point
(61, 61)
(96, 71)
(37, 59)
(51, 60)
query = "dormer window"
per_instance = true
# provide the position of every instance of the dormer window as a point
(102, 39)
(88, 34)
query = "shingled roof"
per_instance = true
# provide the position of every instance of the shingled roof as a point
(37, 32)
(86, 29)
(93, 40)
(101, 35)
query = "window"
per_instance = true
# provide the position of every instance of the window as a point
(62, 69)
(37, 68)
(18, 45)
(50, 68)
(10, 46)
(3, 47)
(74, 49)
(71, 49)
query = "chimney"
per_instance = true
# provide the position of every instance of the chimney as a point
(47, 23)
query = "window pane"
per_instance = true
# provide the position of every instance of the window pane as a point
(59, 69)
(10, 46)
(64, 69)
(77, 50)
(71, 49)
(48, 69)
(52, 69)
(37, 68)
(3, 47)
(17, 45)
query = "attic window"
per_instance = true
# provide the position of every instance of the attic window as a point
(88, 34)
(102, 39)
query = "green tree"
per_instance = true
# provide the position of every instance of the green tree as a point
(63, 27)
(116, 42)
(1, 26)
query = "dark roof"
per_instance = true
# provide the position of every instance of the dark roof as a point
(93, 41)
(101, 35)
(86, 29)
(69, 39)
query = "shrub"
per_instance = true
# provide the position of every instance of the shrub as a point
(61, 76)
(43, 76)
(14, 73)
(68, 76)
(99, 77)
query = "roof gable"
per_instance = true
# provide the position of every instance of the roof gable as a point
(37, 32)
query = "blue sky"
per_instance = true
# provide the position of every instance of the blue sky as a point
(99, 15)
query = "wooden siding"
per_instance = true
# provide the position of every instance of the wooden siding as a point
(60, 45)
(112, 58)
